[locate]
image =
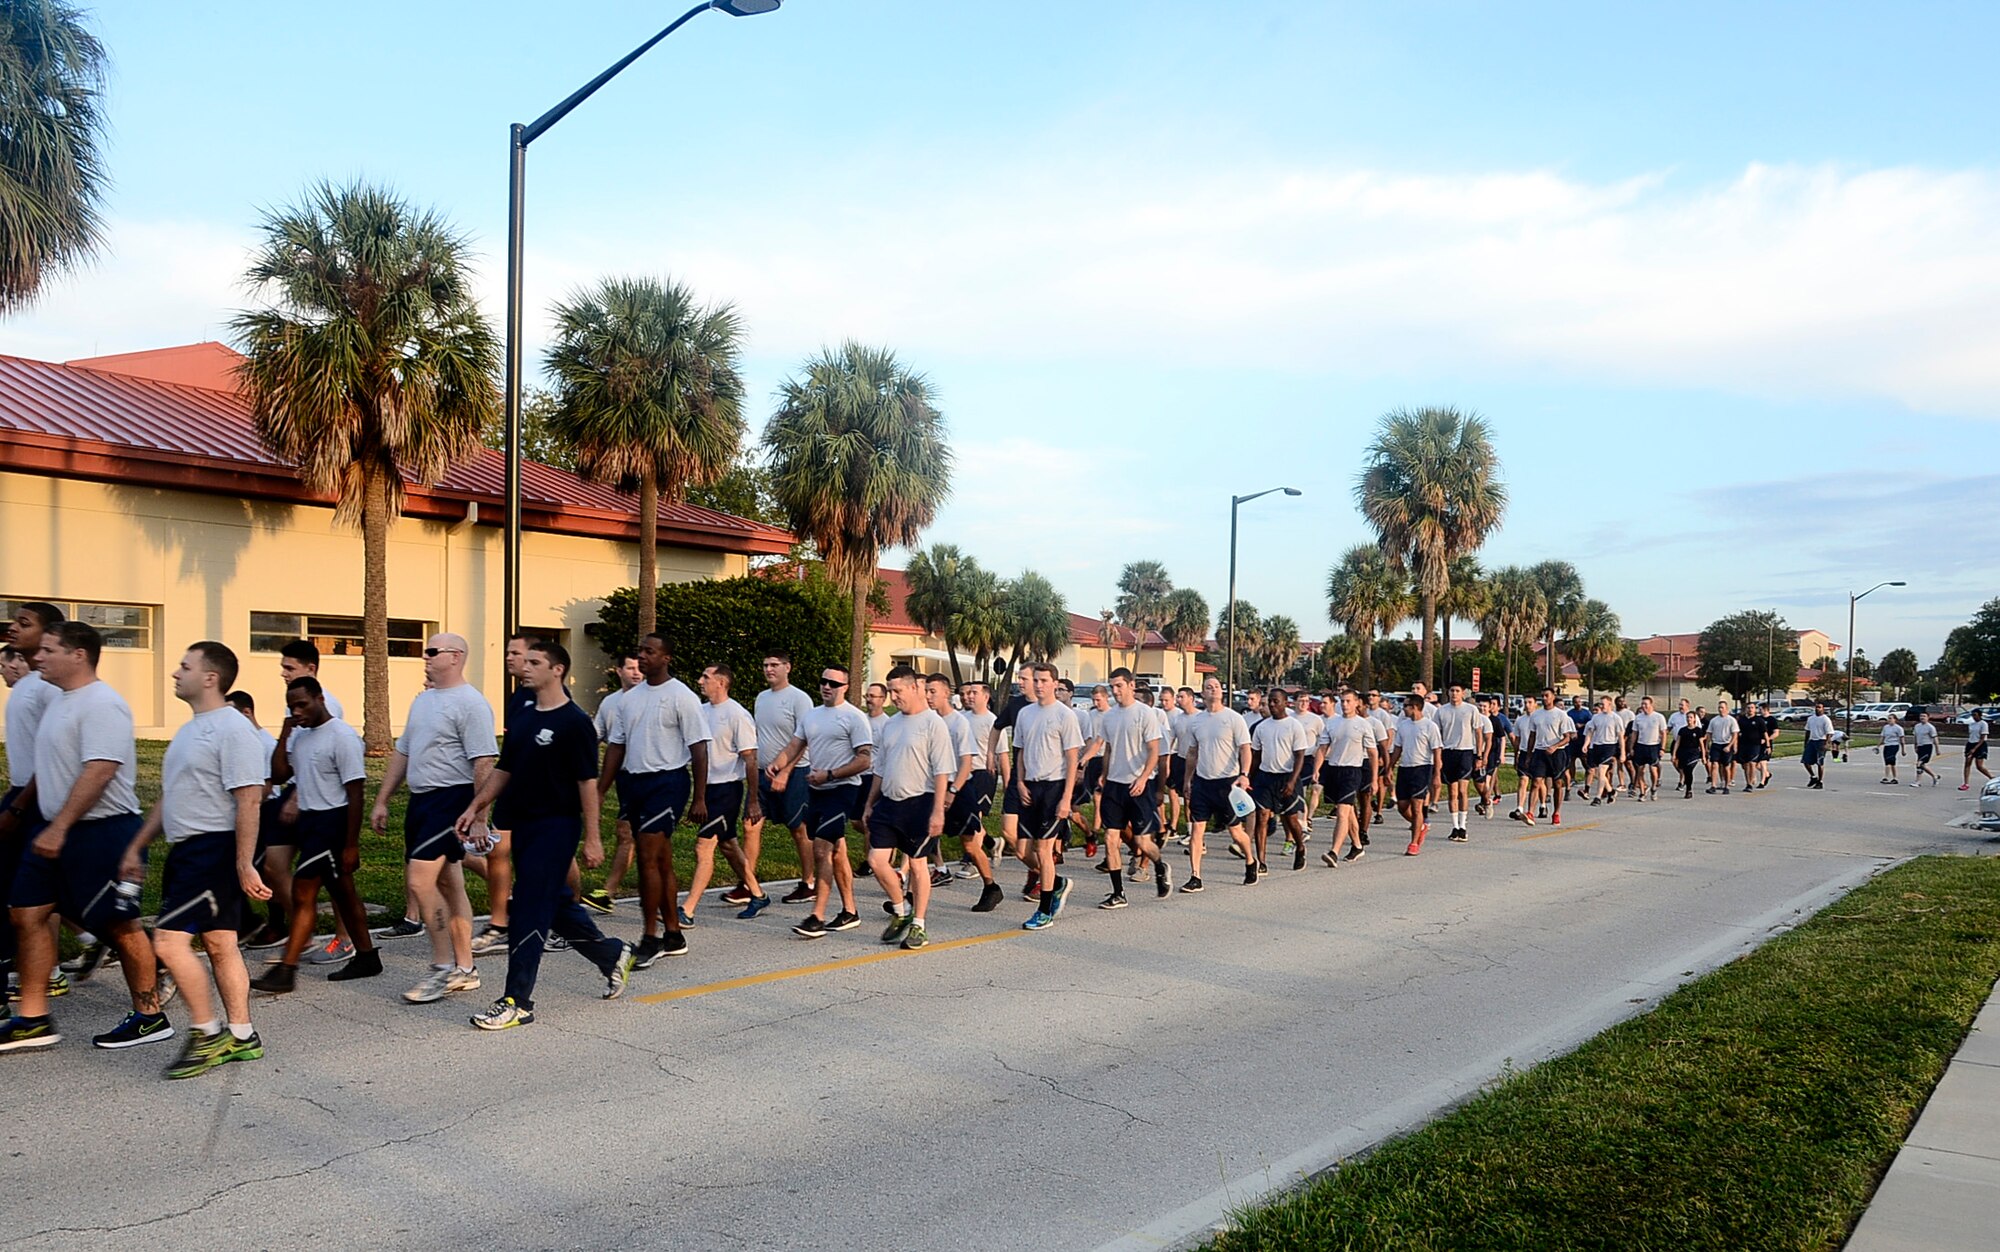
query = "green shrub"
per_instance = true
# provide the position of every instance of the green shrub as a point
(737, 622)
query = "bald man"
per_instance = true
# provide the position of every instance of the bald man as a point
(446, 751)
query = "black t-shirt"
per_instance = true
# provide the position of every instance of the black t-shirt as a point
(1687, 743)
(516, 700)
(1753, 730)
(546, 755)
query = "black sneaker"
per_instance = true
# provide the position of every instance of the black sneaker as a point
(137, 1028)
(646, 953)
(844, 920)
(599, 901)
(18, 1034)
(811, 928)
(276, 980)
(265, 936)
(1250, 874)
(739, 894)
(1116, 900)
(361, 965)
(674, 943)
(1456, 836)
(1191, 887)
(1163, 880)
(990, 898)
(941, 878)
(407, 928)
(1299, 857)
(1356, 852)
(86, 961)
(797, 895)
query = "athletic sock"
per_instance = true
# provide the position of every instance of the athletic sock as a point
(1049, 902)
(241, 1030)
(208, 1028)
(1117, 882)
(903, 909)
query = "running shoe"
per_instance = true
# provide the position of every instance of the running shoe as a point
(136, 1029)
(1104, 866)
(58, 984)
(1116, 900)
(407, 928)
(1263, 868)
(504, 1015)
(333, 951)
(646, 953)
(434, 986)
(165, 989)
(1299, 857)
(1456, 836)
(463, 980)
(1250, 873)
(1356, 853)
(754, 906)
(553, 942)
(739, 894)
(85, 963)
(687, 920)
(276, 979)
(1039, 921)
(234, 1049)
(966, 869)
(265, 936)
(198, 1054)
(1163, 879)
(620, 972)
(811, 928)
(364, 965)
(990, 897)
(1191, 887)
(1329, 860)
(600, 901)
(844, 920)
(916, 938)
(898, 926)
(1033, 889)
(1062, 894)
(674, 943)
(797, 895)
(1090, 847)
(19, 1034)
(940, 877)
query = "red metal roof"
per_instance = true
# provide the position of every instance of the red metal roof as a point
(96, 421)
(1088, 631)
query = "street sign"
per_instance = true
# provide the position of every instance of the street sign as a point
(1475, 678)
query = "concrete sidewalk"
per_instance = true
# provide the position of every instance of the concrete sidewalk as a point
(1943, 1189)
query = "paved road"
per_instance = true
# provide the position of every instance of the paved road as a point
(1116, 1080)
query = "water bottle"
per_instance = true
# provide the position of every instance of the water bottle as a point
(128, 898)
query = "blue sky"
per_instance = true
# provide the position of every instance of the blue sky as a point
(1724, 278)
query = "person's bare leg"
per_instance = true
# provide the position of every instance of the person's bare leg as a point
(278, 877)
(743, 861)
(704, 869)
(651, 849)
(139, 965)
(808, 856)
(176, 951)
(458, 913)
(621, 858)
(843, 874)
(880, 864)
(34, 956)
(500, 879)
(1196, 832)
(347, 904)
(232, 979)
(421, 878)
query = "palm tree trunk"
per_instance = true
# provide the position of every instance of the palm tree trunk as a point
(1367, 672)
(375, 614)
(1445, 625)
(1549, 653)
(857, 639)
(649, 552)
(951, 652)
(1427, 607)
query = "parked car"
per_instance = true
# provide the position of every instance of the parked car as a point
(1965, 718)
(1989, 806)
(1794, 713)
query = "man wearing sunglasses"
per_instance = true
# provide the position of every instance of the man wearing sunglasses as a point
(446, 751)
(836, 738)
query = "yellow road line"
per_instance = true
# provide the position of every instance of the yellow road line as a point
(826, 967)
(1550, 834)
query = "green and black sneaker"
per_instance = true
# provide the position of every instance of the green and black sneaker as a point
(18, 1034)
(233, 1049)
(137, 1028)
(198, 1054)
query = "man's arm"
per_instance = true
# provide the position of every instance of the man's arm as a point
(755, 811)
(90, 785)
(1145, 777)
(130, 867)
(614, 759)
(593, 836)
(864, 756)
(1069, 782)
(281, 756)
(392, 778)
(249, 813)
(489, 790)
(778, 769)
(23, 805)
(698, 758)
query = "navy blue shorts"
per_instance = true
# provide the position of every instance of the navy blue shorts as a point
(1458, 764)
(1814, 750)
(787, 807)
(1177, 774)
(273, 831)
(654, 803)
(320, 835)
(1268, 790)
(830, 809)
(199, 890)
(1644, 754)
(1601, 754)
(1923, 754)
(1544, 763)
(1977, 752)
(1721, 756)
(1038, 815)
(1889, 751)
(1122, 810)
(428, 823)
(966, 817)
(1343, 783)
(82, 881)
(725, 804)
(1093, 777)
(902, 825)
(1208, 800)
(1413, 782)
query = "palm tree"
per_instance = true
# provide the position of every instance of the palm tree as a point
(1143, 588)
(1186, 627)
(647, 397)
(51, 168)
(367, 362)
(1431, 489)
(1464, 599)
(1248, 632)
(1562, 600)
(1593, 640)
(859, 463)
(1515, 612)
(1280, 648)
(1339, 657)
(940, 578)
(1365, 596)
(979, 625)
(1034, 619)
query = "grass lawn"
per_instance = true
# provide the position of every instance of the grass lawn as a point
(1755, 1108)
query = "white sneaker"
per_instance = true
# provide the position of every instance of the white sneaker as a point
(488, 941)
(463, 980)
(966, 869)
(436, 985)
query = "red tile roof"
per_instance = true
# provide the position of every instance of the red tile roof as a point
(99, 419)
(1084, 631)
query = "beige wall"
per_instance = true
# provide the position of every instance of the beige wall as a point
(205, 563)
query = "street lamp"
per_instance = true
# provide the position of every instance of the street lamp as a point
(1235, 502)
(518, 139)
(1852, 599)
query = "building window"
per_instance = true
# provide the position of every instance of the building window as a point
(333, 636)
(127, 627)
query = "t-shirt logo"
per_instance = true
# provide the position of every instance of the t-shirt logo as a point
(545, 736)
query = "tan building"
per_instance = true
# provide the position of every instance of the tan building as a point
(135, 495)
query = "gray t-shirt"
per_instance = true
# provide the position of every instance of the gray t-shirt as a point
(211, 757)
(835, 735)
(730, 734)
(1925, 734)
(325, 758)
(1604, 730)
(1216, 739)
(1042, 733)
(981, 727)
(1278, 742)
(962, 744)
(1418, 740)
(91, 723)
(778, 714)
(1126, 730)
(1722, 730)
(449, 729)
(1648, 728)
(915, 748)
(1457, 726)
(1350, 741)
(607, 715)
(1550, 727)
(27, 700)
(657, 723)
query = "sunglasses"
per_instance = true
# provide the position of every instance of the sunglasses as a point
(441, 651)
(831, 682)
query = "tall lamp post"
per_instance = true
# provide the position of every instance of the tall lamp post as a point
(518, 139)
(1236, 502)
(1852, 600)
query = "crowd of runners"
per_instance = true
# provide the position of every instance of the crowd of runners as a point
(258, 826)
